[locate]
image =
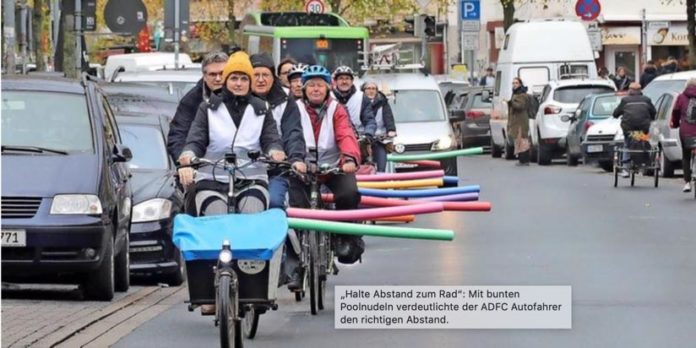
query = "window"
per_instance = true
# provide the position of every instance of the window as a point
(479, 103)
(604, 106)
(127, 103)
(417, 106)
(655, 89)
(498, 79)
(147, 145)
(110, 130)
(574, 94)
(507, 39)
(460, 102)
(534, 77)
(665, 108)
(330, 53)
(33, 119)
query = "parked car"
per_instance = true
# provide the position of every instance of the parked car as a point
(665, 137)
(177, 82)
(420, 114)
(548, 129)
(66, 200)
(137, 98)
(156, 198)
(675, 82)
(470, 113)
(138, 62)
(449, 89)
(592, 109)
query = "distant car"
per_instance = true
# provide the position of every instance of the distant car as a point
(558, 98)
(470, 113)
(592, 109)
(139, 62)
(665, 137)
(138, 98)
(156, 198)
(177, 82)
(449, 89)
(66, 197)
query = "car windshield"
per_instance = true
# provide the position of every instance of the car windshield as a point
(656, 88)
(603, 107)
(147, 145)
(479, 103)
(417, 106)
(52, 120)
(575, 94)
(129, 103)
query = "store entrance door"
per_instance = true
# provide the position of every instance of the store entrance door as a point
(626, 56)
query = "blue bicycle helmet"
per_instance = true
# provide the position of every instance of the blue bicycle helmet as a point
(316, 71)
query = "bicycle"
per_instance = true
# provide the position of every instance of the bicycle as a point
(641, 157)
(241, 288)
(690, 143)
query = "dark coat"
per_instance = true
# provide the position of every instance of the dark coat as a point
(198, 136)
(637, 111)
(367, 117)
(381, 101)
(185, 113)
(622, 83)
(290, 123)
(518, 114)
(669, 68)
(679, 113)
(649, 74)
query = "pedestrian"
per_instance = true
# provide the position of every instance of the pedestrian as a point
(518, 120)
(636, 112)
(211, 82)
(282, 71)
(384, 119)
(670, 66)
(604, 73)
(489, 79)
(684, 118)
(649, 74)
(622, 80)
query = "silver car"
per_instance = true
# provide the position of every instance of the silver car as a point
(666, 138)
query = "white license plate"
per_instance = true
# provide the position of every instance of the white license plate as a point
(595, 148)
(14, 238)
(404, 165)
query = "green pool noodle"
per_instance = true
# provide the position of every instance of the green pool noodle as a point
(370, 230)
(435, 155)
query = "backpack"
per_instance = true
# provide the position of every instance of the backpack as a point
(691, 111)
(532, 106)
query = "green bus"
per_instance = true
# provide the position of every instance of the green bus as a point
(325, 39)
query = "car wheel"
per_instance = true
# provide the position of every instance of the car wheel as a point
(177, 277)
(496, 151)
(666, 167)
(607, 166)
(571, 160)
(122, 264)
(100, 283)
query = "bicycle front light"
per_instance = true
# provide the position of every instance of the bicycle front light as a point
(225, 256)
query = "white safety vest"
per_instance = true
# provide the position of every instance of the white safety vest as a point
(326, 144)
(278, 112)
(221, 135)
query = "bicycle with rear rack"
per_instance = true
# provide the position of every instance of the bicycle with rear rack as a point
(642, 157)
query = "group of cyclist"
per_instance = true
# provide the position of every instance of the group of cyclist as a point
(246, 104)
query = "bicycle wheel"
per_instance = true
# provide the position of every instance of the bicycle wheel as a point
(250, 323)
(327, 262)
(313, 272)
(226, 312)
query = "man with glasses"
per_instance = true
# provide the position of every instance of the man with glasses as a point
(212, 81)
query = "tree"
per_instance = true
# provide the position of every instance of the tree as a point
(509, 9)
(40, 32)
(691, 29)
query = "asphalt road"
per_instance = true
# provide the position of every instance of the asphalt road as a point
(628, 253)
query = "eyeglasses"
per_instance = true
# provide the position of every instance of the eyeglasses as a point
(242, 78)
(213, 74)
(366, 88)
(264, 76)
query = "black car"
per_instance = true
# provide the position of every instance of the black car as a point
(139, 98)
(156, 198)
(66, 198)
(470, 113)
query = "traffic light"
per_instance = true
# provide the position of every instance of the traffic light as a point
(430, 26)
(410, 26)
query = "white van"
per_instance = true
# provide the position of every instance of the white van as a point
(537, 51)
(134, 62)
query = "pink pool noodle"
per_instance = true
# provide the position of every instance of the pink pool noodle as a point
(389, 202)
(366, 214)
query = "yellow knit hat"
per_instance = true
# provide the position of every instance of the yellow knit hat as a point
(238, 62)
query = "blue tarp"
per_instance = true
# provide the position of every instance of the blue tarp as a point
(251, 236)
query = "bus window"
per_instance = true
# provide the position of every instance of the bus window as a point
(266, 45)
(253, 45)
(330, 53)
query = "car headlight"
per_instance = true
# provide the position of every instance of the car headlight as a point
(619, 137)
(444, 143)
(76, 204)
(399, 148)
(152, 210)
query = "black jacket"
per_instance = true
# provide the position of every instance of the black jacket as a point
(290, 123)
(637, 111)
(649, 74)
(622, 83)
(185, 113)
(367, 117)
(387, 115)
(669, 68)
(197, 140)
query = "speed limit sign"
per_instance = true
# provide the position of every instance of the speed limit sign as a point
(315, 6)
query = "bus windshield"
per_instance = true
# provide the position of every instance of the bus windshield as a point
(330, 53)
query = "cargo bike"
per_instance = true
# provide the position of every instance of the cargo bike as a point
(636, 155)
(233, 260)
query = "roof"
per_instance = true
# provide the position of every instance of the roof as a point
(581, 82)
(187, 75)
(403, 81)
(136, 89)
(682, 75)
(546, 41)
(49, 84)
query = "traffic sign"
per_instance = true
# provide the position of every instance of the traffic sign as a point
(470, 10)
(470, 41)
(471, 26)
(588, 10)
(315, 6)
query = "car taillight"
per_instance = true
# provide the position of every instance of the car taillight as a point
(552, 109)
(474, 114)
(588, 124)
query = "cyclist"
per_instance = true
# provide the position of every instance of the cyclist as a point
(295, 78)
(384, 119)
(283, 70)
(327, 127)
(637, 111)
(684, 117)
(357, 105)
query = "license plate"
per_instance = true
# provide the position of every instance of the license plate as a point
(595, 148)
(14, 238)
(404, 165)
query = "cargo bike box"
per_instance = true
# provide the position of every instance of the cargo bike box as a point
(256, 242)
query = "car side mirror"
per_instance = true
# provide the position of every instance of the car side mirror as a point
(486, 96)
(457, 115)
(122, 153)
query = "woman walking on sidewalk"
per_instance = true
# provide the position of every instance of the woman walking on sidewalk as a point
(518, 120)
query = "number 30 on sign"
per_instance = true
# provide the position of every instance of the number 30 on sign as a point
(314, 6)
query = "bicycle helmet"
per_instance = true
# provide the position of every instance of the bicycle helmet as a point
(297, 69)
(343, 70)
(316, 71)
